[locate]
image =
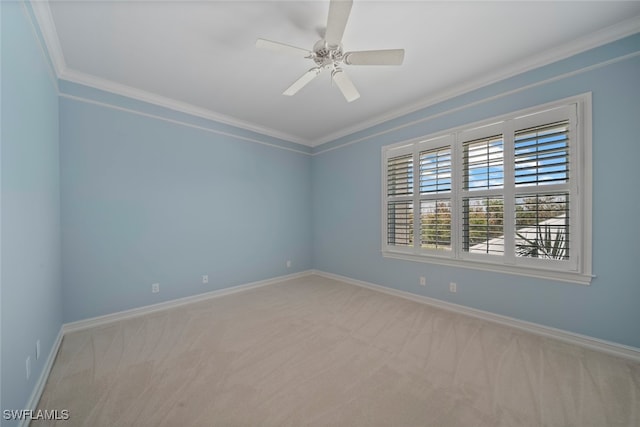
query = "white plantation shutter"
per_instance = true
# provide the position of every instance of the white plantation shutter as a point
(399, 183)
(542, 155)
(483, 225)
(483, 217)
(483, 163)
(435, 171)
(512, 193)
(435, 224)
(542, 175)
(400, 175)
(435, 198)
(400, 223)
(542, 226)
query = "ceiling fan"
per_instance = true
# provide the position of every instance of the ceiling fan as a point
(327, 53)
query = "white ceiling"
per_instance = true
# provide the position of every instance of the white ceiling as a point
(200, 56)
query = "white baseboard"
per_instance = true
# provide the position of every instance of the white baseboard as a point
(615, 349)
(32, 403)
(135, 312)
(569, 337)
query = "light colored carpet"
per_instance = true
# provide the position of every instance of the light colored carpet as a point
(318, 352)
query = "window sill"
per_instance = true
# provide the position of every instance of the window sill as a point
(562, 276)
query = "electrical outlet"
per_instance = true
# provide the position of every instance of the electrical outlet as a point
(288, 263)
(28, 366)
(155, 288)
(423, 281)
(205, 278)
(453, 287)
(37, 349)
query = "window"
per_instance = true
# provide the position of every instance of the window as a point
(510, 194)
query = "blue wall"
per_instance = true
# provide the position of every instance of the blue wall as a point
(102, 196)
(30, 226)
(347, 200)
(146, 200)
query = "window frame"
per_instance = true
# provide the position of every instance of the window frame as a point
(578, 269)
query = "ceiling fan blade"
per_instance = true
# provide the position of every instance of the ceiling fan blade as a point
(339, 11)
(284, 48)
(375, 57)
(345, 85)
(302, 81)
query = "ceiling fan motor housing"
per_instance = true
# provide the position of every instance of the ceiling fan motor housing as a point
(326, 55)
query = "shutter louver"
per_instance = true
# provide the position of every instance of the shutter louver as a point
(400, 204)
(435, 171)
(435, 210)
(400, 175)
(483, 229)
(542, 226)
(542, 217)
(483, 163)
(400, 223)
(483, 217)
(435, 224)
(542, 155)
(511, 193)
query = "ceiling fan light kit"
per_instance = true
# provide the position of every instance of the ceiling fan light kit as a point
(328, 54)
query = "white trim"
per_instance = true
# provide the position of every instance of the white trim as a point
(591, 41)
(482, 101)
(66, 328)
(584, 341)
(179, 122)
(51, 71)
(140, 311)
(84, 79)
(475, 264)
(578, 269)
(44, 17)
(585, 178)
(38, 388)
(47, 26)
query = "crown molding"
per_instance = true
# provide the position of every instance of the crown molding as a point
(180, 122)
(99, 83)
(42, 12)
(47, 26)
(591, 41)
(45, 21)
